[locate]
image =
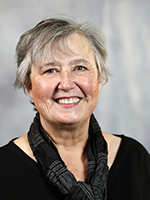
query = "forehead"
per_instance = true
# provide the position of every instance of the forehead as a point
(64, 48)
(77, 42)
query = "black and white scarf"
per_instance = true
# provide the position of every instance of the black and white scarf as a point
(48, 158)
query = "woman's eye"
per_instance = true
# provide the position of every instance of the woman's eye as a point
(80, 68)
(50, 71)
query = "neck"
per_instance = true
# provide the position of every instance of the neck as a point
(71, 142)
(67, 136)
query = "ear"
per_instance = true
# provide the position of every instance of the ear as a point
(29, 88)
(28, 83)
(100, 82)
(30, 93)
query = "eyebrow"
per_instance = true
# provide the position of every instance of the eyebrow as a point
(79, 61)
(73, 62)
(53, 63)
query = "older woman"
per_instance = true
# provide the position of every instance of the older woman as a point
(65, 155)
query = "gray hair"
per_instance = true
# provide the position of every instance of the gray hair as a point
(33, 45)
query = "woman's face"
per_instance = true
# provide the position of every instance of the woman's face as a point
(65, 87)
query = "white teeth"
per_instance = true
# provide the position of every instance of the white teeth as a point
(68, 101)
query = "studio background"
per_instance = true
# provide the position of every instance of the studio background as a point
(124, 102)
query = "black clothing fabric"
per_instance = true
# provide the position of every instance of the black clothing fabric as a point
(49, 160)
(22, 179)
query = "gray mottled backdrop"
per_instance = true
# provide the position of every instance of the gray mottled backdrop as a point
(124, 102)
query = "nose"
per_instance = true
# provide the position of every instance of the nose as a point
(66, 81)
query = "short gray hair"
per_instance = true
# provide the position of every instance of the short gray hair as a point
(33, 44)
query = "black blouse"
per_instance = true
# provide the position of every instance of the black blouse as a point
(21, 178)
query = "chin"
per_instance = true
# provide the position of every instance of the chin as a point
(72, 119)
(68, 121)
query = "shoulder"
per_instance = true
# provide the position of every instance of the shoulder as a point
(130, 172)
(6, 150)
(134, 151)
(126, 149)
(132, 154)
(14, 160)
(132, 146)
(7, 157)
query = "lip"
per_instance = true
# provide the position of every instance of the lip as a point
(68, 101)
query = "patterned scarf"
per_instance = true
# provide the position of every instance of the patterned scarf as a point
(48, 158)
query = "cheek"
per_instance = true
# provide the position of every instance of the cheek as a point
(90, 86)
(41, 90)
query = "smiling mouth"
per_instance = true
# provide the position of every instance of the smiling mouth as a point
(68, 101)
